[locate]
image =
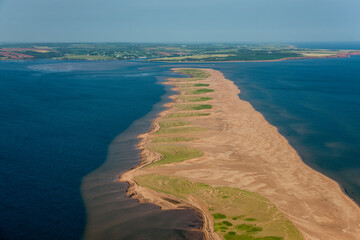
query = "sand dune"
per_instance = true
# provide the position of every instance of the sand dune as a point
(243, 150)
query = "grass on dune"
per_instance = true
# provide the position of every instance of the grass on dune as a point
(174, 153)
(201, 91)
(180, 130)
(195, 99)
(201, 85)
(182, 85)
(232, 213)
(188, 86)
(171, 139)
(200, 99)
(178, 187)
(193, 106)
(174, 127)
(195, 73)
(187, 114)
(167, 124)
(185, 80)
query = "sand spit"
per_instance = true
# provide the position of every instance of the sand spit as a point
(242, 150)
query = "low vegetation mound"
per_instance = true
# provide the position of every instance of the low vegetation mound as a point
(201, 91)
(171, 139)
(193, 106)
(187, 114)
(194, 73)
(232, 209)
(174, 153)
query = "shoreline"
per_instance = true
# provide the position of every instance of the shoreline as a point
(315, 204)
(102, 184)
(338, 55)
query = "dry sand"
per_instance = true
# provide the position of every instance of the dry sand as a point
(243, 150)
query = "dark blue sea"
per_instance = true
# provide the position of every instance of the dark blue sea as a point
(68, 129)
(57, 123)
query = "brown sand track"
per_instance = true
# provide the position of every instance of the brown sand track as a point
(243, 150)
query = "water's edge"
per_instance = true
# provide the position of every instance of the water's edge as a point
(112, 214)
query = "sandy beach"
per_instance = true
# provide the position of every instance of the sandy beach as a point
(242, 150)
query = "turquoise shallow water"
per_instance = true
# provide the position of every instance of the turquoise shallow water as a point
(60, 121)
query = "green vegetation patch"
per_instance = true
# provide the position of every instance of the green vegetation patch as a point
(167, 124)
(193, 106)
(202, 90)
(195, 99)
(195, 73)
(173, 153)
(179, 187)
(233, 236)
(171, 139)
(165, 52)
(180, 130)
(171, 127)
(227, 223)
(187, 80)
(201, 85)
(248, 228)
(219, 216)
(187, 114)
(230, 213)
(201, 99)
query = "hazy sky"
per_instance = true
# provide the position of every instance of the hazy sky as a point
(179, 20)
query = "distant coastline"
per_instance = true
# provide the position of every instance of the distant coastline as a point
(166, 52)
(312, 194)
(337, 55)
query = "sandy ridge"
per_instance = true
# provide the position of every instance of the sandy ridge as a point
(243, 150)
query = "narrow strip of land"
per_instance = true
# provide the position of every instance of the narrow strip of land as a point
(212, 151)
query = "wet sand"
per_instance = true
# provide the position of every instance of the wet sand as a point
(243, 150)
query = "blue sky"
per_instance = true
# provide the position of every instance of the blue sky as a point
(179, 20)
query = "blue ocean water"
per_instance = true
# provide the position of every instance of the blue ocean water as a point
(57, 120)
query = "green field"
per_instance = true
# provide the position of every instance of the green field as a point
(168, 124)
(201, 91)
(194, 73)
(201, 85)
(171, 127)
(238, 214)
(187, 114)
(195, 99)
(174, 153)
(171, 139)
(184, 107)
(180, 130)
